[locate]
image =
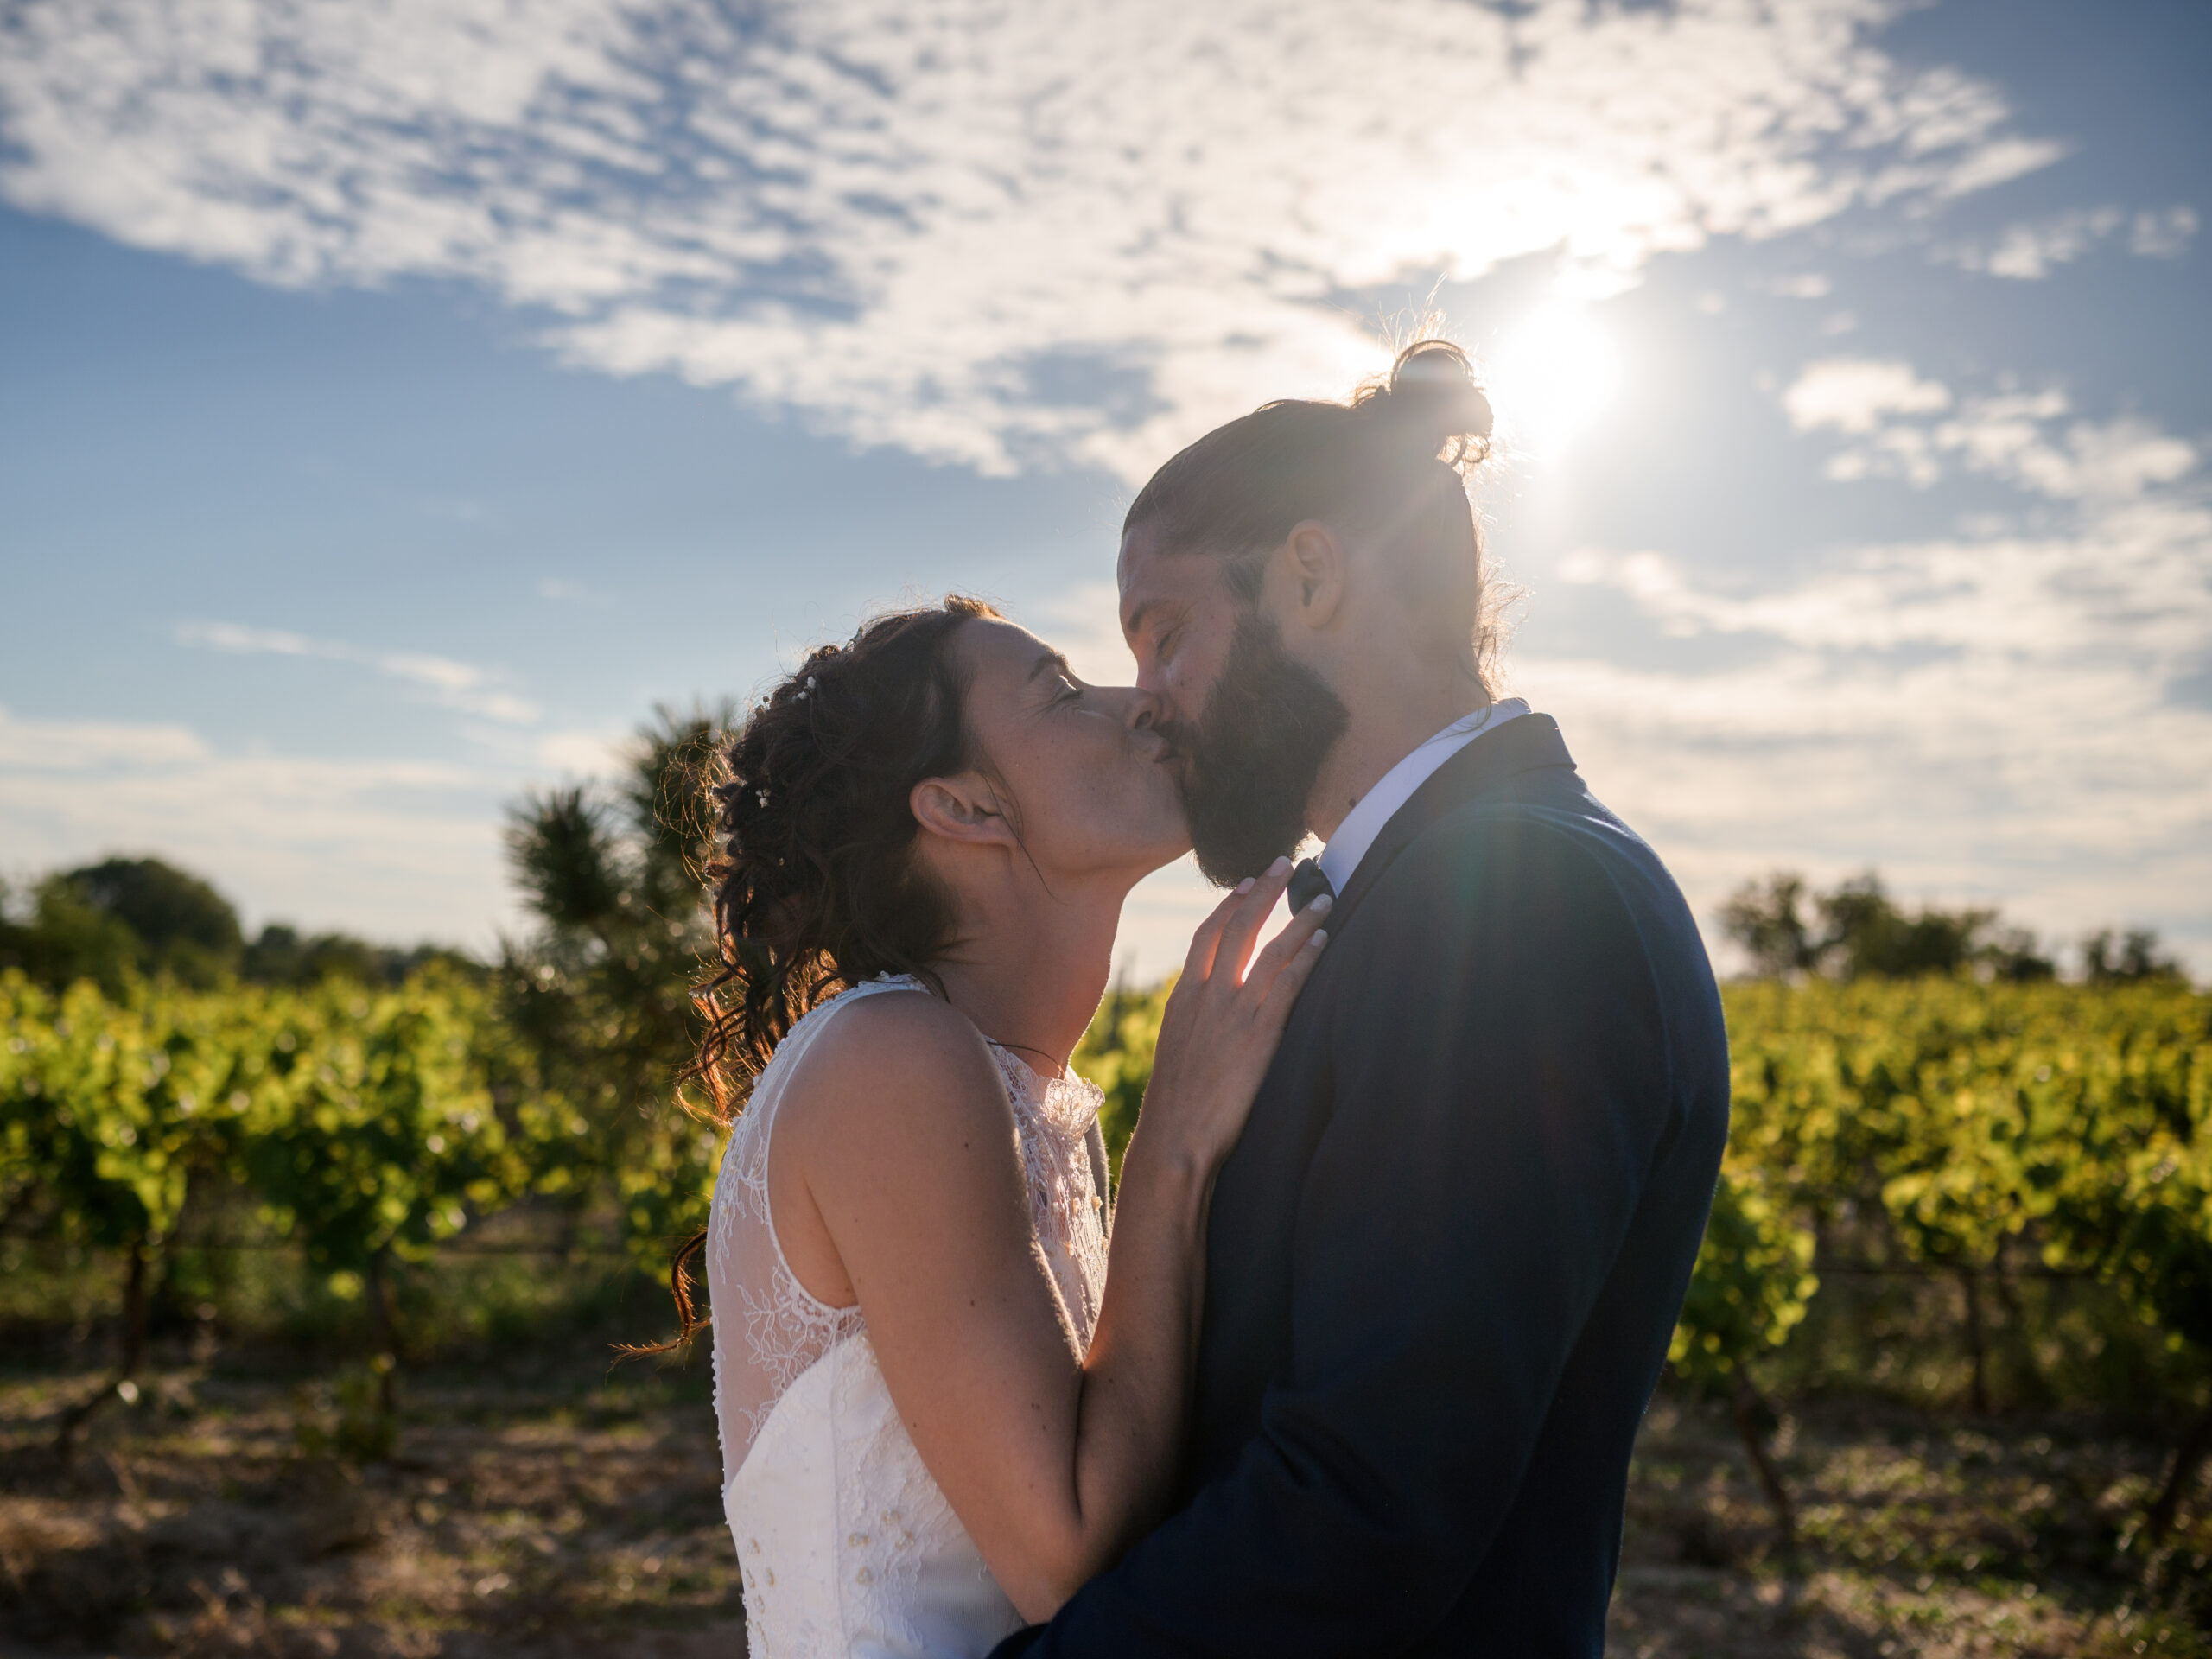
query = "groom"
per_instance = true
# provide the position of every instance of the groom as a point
(1445, 1258)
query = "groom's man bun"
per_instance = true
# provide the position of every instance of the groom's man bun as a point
(1432, 399)
(1385, 469)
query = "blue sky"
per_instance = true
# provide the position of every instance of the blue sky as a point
(397, 402)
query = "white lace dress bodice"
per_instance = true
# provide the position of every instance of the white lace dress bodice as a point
(846, 1545)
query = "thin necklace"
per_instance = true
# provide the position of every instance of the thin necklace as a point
(1025, 1049)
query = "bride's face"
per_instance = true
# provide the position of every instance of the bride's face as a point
(1085, 765)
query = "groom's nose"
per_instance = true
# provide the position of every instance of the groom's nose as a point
(1140, 710)
(1150, 675)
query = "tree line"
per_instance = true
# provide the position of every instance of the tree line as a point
(126, 919)
(1856, 930)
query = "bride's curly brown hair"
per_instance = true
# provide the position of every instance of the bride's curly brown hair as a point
(814, 884)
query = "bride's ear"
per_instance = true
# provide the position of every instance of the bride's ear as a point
(964, 808)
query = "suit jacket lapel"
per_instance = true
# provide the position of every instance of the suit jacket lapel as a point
(1520, 745)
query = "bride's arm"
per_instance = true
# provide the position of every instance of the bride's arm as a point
(912, 1195)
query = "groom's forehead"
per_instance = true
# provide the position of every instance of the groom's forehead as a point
(1139, 553)
(1153, 574)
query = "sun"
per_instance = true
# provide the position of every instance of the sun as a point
(1552, 374)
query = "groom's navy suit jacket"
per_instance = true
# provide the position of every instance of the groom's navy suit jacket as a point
(1445, 1259)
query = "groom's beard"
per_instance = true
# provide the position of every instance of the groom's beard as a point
(1251, 758)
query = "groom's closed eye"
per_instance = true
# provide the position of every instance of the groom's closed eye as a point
(1164, 635)
(1150, 624)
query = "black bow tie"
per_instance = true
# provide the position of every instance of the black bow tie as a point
(1307, 883)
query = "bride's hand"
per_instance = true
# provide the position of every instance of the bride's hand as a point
(1224, 1019)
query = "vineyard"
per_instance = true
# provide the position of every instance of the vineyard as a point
(1974, 1133)
(1979, 1201)
(364, 1128)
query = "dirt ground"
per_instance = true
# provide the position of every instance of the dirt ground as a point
(559, 1509)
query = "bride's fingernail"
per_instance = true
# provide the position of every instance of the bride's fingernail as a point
(1321, 938)
(1245, 886)
(1279, 865)
(1320, 905)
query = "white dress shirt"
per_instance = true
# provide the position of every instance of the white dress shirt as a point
(1395, 787)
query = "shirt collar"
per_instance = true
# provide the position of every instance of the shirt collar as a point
(1395, 787)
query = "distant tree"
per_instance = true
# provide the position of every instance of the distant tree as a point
(110, 921)
(1871, 937)
(2014, 955)
(183, 927)
(280, 955)
(2135, 956)
(601, 990)
(62, 939)
(1863, 933)
(1765, 919)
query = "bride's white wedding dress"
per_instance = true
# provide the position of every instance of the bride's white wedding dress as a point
(847, 1546)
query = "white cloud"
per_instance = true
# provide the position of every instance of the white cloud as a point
(1853, 394)
(1998, 715)
(465, 686)
(2162, 235)
(2010, 436)
(2120, 459)
(2029, 250)
(997, 236)
(583, 754)
(2134, 582)
(393, 849)
(78, 745)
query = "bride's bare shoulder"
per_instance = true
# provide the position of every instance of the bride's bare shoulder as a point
(894, 1136)
(895, 1063)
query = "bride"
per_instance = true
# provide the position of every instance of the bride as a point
(940, 1412)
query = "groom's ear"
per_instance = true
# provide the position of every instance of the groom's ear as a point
(964, 808)
(1314, 559)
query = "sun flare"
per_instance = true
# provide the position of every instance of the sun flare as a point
(1553, 373)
